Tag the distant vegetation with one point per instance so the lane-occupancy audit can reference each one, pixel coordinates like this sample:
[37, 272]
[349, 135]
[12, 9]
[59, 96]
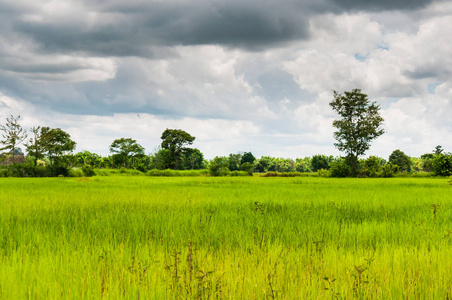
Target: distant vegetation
[49, 152]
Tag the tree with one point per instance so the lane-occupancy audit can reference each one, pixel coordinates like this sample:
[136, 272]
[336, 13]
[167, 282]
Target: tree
[319, 162]
[34, 146]
[373, 166]
[13, 134]
[401, 160]
[124, 150]
[235, 161]
[193, 159]
[175, 141]
[359, 124]
[247, 157]
[262, 164]
[219, 166]
[442, 164]
[438, 149]
[55, 142]
[88, 158]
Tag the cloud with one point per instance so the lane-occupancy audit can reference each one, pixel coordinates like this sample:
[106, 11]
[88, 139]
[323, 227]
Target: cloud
[240, 75]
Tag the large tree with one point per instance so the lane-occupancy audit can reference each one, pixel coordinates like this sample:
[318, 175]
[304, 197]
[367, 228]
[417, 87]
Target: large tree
[401, 160]
[13, 135]
[125, 149]
[56, 143]
[175, 141]
[359, 124]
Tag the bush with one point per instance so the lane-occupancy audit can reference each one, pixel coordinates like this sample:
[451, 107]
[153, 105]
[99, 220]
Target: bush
[88, 171]
[323, 173]
[59, 170]
[219, 166]
[340, 169]
[442, 164]
[247, 167]
[75, 172]
[29, 170]
[389, 170]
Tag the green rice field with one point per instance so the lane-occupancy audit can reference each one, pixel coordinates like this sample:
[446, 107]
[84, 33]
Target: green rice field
[125, 237]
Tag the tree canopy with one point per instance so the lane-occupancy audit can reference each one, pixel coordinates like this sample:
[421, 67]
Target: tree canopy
[359, 124]
[55, 142]
[124, 150]
[175, 141]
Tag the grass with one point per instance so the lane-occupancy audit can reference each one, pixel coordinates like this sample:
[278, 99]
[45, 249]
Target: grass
[225, 238]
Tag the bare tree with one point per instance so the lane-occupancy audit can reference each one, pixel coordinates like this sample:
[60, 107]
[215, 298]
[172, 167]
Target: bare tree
[13, 135]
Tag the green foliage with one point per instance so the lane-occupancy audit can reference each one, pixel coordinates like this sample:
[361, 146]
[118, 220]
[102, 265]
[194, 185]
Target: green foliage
[34, 146]
[247, 167]
[192, 159]
[319, 162]
[160, 160]
[372, 166]
[388, 170]
[438, 150]
[442, 164]
[76, 172]
[401, 160]
[340, 169]
[219, 166]
[88, 158]
[59, 170]
[427, 162]
[55, 143]
[88, 171]
[29, 170]
[125, 150]
[359, 124]
[303, 165]
[262, 164]
[235, 161]
[175, 141]
[247, 157]
[323, 173]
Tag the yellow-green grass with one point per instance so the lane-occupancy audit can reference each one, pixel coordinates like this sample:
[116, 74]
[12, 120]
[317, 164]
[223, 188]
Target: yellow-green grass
[225, 238]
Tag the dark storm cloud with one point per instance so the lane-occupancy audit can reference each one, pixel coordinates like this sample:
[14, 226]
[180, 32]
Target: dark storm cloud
[379, 5]
[136, 28]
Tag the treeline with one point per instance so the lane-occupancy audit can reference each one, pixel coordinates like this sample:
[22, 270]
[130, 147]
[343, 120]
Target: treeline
[50, 152]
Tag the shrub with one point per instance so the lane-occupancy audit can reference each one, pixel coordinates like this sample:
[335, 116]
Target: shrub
[442, 164]
[88, 171]
[75, 172]
[340, 169]
[389, 170]
[247, 167]
[219, 166]
[59, 169]
[323, 173]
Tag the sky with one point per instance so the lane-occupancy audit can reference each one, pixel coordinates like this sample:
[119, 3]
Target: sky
[249, 75]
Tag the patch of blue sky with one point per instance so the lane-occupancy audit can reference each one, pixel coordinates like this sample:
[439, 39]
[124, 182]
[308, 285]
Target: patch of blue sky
[361, 57]
[431, 88]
